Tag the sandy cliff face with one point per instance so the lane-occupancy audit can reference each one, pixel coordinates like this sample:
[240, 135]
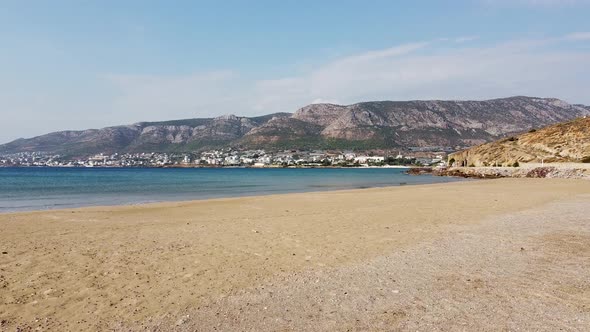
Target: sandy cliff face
[564, 142]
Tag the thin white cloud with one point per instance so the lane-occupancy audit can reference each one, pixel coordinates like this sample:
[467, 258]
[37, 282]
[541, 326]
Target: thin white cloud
[510, 68]
[578, 36]
[459, 40]
[386, 53]
[423, 70]
[441, 69]
[465, 39]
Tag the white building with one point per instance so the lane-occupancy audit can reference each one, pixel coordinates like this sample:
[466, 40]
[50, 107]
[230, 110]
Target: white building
[367, 159]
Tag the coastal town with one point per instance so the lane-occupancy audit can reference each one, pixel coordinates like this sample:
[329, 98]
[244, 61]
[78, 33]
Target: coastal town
[232, 158]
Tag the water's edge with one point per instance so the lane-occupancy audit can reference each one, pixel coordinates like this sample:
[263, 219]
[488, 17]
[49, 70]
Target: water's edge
[26, 189]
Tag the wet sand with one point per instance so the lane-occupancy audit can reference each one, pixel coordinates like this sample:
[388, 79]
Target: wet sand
[487, 255]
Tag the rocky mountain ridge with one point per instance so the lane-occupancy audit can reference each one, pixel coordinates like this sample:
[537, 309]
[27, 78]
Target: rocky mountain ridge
[367, 125]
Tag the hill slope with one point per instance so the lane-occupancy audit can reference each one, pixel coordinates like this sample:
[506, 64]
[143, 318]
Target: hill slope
[563, 142]
[383, 124]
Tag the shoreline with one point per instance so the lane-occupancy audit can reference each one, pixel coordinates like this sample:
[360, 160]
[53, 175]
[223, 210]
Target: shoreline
[235, 261]
[215, 167]
[380, 177]
[176, 203]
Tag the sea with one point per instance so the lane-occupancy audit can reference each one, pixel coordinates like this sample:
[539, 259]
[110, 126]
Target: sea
[42, 188]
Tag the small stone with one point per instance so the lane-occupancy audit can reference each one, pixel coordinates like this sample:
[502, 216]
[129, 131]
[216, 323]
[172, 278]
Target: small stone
[5, 253]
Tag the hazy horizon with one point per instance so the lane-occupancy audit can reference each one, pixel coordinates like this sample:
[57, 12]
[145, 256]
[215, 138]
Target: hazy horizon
[73, 66]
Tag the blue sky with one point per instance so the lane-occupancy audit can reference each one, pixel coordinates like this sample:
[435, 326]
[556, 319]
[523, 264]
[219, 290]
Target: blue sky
[89, 64]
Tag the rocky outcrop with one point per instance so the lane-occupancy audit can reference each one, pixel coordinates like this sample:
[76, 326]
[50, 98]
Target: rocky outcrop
[570, 172]
[563, 142]
[320, 114]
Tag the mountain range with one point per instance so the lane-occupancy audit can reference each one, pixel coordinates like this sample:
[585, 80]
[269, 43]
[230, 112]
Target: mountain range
[366, 125]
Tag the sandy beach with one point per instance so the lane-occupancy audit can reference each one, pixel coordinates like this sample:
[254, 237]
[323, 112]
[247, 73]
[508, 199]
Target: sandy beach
[502, 254]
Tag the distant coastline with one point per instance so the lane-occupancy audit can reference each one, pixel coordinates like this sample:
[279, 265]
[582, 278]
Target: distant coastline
[219, 166]
[232, 158]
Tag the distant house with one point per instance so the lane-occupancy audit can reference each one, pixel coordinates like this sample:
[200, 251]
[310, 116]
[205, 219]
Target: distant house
[247, 160]
[367, 159]
[425, 161]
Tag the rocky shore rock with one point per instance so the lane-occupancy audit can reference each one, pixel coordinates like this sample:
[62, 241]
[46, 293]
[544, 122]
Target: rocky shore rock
[514, 172]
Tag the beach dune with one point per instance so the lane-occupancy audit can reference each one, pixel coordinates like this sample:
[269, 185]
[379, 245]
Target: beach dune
[476, 255]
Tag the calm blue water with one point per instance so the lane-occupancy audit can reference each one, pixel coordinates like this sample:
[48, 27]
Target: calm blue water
[23, 189]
